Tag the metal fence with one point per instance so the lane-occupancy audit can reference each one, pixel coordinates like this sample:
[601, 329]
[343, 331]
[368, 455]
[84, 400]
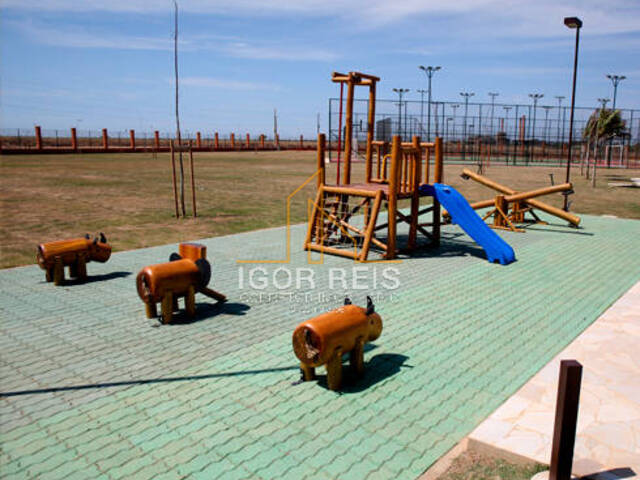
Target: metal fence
[511, 133]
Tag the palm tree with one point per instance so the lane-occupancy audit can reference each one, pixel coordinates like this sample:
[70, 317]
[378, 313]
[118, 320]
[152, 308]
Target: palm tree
[603, 125]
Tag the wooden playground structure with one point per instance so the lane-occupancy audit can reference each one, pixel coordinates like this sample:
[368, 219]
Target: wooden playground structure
[401, 168]
[510, 207]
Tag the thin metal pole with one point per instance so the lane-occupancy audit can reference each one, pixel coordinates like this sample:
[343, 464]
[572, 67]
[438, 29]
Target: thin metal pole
[573, 105]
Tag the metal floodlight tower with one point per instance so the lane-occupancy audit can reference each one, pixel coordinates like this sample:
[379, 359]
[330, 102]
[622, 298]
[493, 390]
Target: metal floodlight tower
[493, 96]
[615, 79]
[455, 107]
[429, 71]
[400, 92]
[571, 22]
[421, 92]
[535, 97]
[604, 102]
[559, 98]
[546, 122]
[466, 96]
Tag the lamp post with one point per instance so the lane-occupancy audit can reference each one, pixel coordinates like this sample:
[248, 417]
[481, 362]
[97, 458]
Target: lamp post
[466, 96]
[615, 79]
[422, 92]
[506, 109]
[454, 107]
[429, 72]
[604, 102]
[559, 98]
[572, 22]
[535, 97]
[546, 122]
[493, 96]
[400, 92]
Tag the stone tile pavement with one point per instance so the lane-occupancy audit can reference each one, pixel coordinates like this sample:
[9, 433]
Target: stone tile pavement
[608, 433]
[91, 390]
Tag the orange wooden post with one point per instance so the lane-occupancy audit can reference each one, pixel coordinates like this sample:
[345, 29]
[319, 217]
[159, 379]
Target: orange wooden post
[74, 138]
[132, 139]
[38, 137]
[198, 140]
[371, 116]
[105, 139]
[438, 172]
[216, 141]
[233, 141]
[156, 138]
[348, 136]
[522, 129]
[248, 141]
[320, 159]
[262, 141]
[414, 184]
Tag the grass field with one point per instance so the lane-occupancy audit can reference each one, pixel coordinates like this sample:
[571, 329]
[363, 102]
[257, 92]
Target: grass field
[130, 198]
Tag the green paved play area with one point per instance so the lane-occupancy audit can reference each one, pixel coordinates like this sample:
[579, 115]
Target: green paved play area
[92, 390]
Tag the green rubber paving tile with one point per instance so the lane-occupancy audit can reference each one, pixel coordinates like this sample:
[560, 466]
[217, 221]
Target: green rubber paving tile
[219, 398]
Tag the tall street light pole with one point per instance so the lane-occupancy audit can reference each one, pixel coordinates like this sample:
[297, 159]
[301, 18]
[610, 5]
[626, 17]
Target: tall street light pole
[604, 102]
[572, 22]
[466, 96]
[429, 72]
[422, 92]
[546, 122]
[615, 79]
[493, 96]
[400, 92]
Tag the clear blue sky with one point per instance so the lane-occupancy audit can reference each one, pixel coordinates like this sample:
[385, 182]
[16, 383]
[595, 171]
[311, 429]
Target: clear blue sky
[110, 63]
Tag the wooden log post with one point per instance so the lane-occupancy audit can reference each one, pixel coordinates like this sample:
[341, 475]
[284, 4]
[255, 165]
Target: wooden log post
[320, 160]
[38, 137]
[105, 139]
[262, 142]
[198, 140]
[74, 139]
[416, 170]
[438, 174]
[248, 143]
[156, 139]
[348, 137]
[233, 141]
[216, 141]
[371, 116]
[564, 430]
[132, 139]
[392, 208]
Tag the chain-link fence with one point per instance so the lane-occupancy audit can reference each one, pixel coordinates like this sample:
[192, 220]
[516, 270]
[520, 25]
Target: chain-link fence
[510, 133]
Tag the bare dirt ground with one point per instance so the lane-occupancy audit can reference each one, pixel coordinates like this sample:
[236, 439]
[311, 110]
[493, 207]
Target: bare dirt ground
[130, 197]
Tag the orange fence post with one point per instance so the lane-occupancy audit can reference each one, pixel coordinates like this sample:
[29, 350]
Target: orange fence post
[198, 140]
[132, 139]
[105, 139]
[522, 128]
[38, 138]
[156, 136]
[262, 141]
[233, 141]
[248, 141]
[216, 141]
[74, 139]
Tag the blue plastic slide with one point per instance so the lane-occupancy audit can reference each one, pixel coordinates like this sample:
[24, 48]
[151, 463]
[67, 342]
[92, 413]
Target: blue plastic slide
[465, 216]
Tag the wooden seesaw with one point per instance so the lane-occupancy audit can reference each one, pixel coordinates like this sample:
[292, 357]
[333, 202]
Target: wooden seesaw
[510, 206]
